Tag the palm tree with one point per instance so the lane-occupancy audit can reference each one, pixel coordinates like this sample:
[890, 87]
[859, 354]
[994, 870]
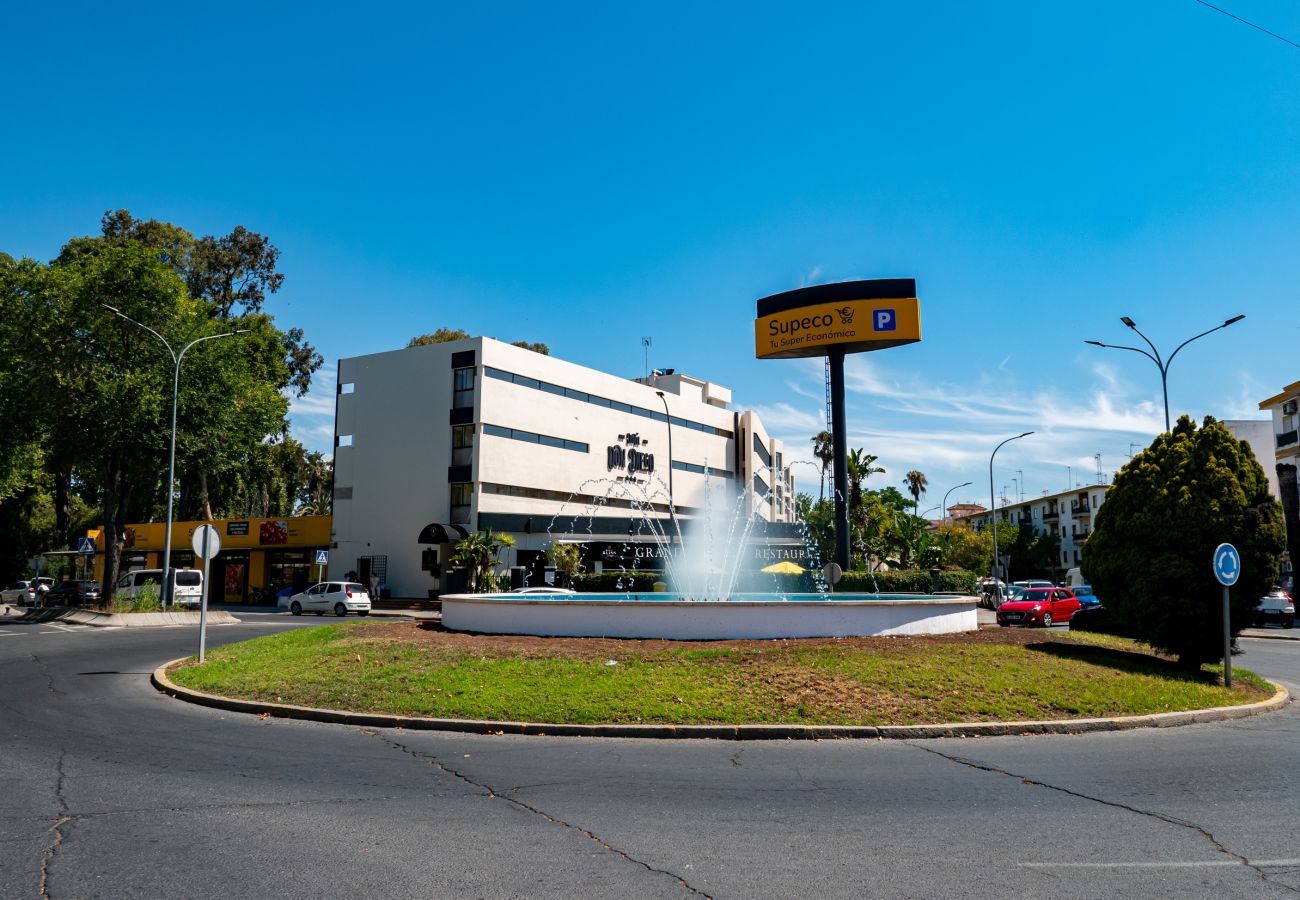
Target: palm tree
[916, 485]
[824, 450]
[861, 467]
[478, 553]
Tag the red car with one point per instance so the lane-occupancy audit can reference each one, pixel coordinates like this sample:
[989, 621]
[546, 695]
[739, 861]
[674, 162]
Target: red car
[1039, 606]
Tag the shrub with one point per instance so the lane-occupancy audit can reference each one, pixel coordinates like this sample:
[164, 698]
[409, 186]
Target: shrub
[906, 581]
[1150, 553]
[613, 582]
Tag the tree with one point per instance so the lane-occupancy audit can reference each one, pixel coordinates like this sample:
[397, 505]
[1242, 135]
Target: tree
[567, 558]
[916, 485]
[446, 335]
[1149, 556]
[477, 552]
[824, 450]
[441, 336]
[861, 467]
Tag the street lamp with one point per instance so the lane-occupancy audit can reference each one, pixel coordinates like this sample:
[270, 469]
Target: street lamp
[945, 497]
[993, 508]
[668, 419]
[1161, 364]
[171, 455]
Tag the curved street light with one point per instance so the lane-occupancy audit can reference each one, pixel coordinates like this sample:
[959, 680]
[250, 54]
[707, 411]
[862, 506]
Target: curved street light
[944, 504]
[171, 455]
[993, 509]
[1154, 355]
[668, 419]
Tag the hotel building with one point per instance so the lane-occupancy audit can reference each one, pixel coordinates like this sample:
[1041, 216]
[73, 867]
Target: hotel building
[434, 442]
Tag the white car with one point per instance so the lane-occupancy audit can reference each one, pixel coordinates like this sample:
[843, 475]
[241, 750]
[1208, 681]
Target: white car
[542, 590]
[338, 597]
[24, 592]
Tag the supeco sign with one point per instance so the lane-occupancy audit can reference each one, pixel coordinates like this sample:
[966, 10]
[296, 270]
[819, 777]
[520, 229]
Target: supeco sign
[628, 456]
[853, 315]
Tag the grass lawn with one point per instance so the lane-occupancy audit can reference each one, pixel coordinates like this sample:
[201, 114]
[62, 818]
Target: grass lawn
[416, 669]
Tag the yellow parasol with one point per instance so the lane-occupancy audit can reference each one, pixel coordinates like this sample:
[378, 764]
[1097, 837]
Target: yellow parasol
[784, 567]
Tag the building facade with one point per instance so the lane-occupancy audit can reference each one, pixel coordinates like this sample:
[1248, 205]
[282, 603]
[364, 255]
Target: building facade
[1069, 515]
[437, 441]
[1284, 408]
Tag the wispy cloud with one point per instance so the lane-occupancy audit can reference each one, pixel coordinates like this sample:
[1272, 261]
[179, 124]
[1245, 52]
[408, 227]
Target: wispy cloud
[311, 417]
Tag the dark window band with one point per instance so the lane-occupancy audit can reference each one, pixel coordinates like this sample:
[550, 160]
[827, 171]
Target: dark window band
[517, 434]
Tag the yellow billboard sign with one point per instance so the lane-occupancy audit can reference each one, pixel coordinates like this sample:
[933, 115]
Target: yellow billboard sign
[854, 325]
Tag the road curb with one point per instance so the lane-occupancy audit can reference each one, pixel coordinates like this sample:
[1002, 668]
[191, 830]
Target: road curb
[97, 619]
[720, 732]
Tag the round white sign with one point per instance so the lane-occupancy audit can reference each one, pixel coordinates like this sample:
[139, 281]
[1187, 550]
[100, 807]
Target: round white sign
[832, 573]
[214, 542]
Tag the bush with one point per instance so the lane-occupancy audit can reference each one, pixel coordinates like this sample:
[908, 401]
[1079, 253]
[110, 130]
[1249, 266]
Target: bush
[614, 582]
[906, 581]
[1150, 553]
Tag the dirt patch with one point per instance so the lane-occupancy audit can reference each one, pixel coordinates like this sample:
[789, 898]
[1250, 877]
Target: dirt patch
[434, 637]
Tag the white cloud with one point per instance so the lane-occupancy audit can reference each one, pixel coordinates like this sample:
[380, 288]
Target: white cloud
[783, 416]
[311, 417]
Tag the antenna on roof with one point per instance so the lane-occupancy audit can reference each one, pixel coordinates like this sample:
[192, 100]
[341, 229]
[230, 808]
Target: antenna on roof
[645, 342]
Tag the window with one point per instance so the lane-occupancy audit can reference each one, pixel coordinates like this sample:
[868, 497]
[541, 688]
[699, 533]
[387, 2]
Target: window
[462, 388]
[347, 387]
[345, 440]
[461, 495]
[762, 452]
[462, 445]
[518, 434]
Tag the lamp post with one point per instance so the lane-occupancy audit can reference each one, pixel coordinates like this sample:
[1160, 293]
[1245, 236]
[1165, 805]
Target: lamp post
[668, 420]
[945, 497]
[1154, 355]
[171, 454]
[993, 508]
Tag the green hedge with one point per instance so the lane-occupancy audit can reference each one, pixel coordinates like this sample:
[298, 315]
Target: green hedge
[613, 582]
[912, 581]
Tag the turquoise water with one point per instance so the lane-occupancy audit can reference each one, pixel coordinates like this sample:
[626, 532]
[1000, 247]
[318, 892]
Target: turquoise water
[678, 598]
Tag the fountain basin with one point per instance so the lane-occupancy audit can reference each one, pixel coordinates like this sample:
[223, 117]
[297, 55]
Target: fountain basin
[744, 616]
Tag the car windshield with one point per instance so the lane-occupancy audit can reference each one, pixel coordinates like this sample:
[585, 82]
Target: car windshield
[354, 587]
[1038, 595]
[1083, 592]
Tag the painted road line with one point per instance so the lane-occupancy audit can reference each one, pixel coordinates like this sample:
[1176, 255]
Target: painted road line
[1171, 864]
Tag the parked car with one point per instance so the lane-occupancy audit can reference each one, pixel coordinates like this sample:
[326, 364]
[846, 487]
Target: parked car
[1033, 583]
[339, 597]
[1039, 606]
[1086, 596]
[542, 590]
[1275, 606]
[18, 594]
[187, 585]
[73, 593]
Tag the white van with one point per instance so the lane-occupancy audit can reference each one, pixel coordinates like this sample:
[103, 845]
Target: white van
[1074, 578]
[187, 585]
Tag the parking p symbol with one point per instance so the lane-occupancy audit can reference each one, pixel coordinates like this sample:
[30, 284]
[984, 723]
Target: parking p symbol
[884, 320]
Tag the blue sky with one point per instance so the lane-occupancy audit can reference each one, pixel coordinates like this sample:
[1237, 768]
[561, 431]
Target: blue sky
[590, 174]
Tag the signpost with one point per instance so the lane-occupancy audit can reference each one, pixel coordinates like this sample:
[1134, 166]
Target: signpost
[322, 560]
[832, 573]
[207, 544]
[831, 320]
[1227, 569]
[85, 548]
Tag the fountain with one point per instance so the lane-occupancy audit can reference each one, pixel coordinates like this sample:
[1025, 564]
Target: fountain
[703, 561]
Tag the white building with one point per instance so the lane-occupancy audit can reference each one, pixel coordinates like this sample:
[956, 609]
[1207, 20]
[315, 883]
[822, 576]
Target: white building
[1259, 434]
[1068, 515]
[436, 441]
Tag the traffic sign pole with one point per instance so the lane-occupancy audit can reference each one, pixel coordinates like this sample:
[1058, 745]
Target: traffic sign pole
[207, 544]
[1227, 569]
[1227, 642]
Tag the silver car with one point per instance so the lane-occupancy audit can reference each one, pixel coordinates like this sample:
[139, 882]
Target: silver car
[1275, 606]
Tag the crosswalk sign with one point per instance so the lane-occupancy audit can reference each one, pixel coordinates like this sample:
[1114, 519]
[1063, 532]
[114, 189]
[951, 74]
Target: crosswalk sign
[322, 557]
[86, 546]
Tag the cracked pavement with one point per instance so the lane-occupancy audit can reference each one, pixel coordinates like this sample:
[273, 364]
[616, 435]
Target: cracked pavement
[108, 789]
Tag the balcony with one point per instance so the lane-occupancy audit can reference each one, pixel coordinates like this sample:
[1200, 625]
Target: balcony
[1079, 509]
[1287, 438]
[1051, 514]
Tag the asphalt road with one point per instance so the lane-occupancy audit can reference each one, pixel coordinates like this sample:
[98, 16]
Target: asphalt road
[109, 789]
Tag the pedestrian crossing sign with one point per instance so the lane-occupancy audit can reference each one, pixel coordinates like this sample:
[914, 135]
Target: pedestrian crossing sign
[322, 557]
[86, 546]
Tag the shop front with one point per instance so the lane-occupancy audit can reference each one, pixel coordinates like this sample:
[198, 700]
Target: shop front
[258, 556]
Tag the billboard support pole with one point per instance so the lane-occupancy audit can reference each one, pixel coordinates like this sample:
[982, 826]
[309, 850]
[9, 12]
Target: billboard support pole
[839, 443]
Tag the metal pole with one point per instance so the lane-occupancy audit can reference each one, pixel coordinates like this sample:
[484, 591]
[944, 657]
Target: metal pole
[171, 455]
[839, 440]
[993, 504]
[945, 497]
[668, 420]
[203, 604]
[1227, 641]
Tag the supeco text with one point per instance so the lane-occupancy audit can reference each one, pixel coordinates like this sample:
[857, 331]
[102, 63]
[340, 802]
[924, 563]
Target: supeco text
[794, 326]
